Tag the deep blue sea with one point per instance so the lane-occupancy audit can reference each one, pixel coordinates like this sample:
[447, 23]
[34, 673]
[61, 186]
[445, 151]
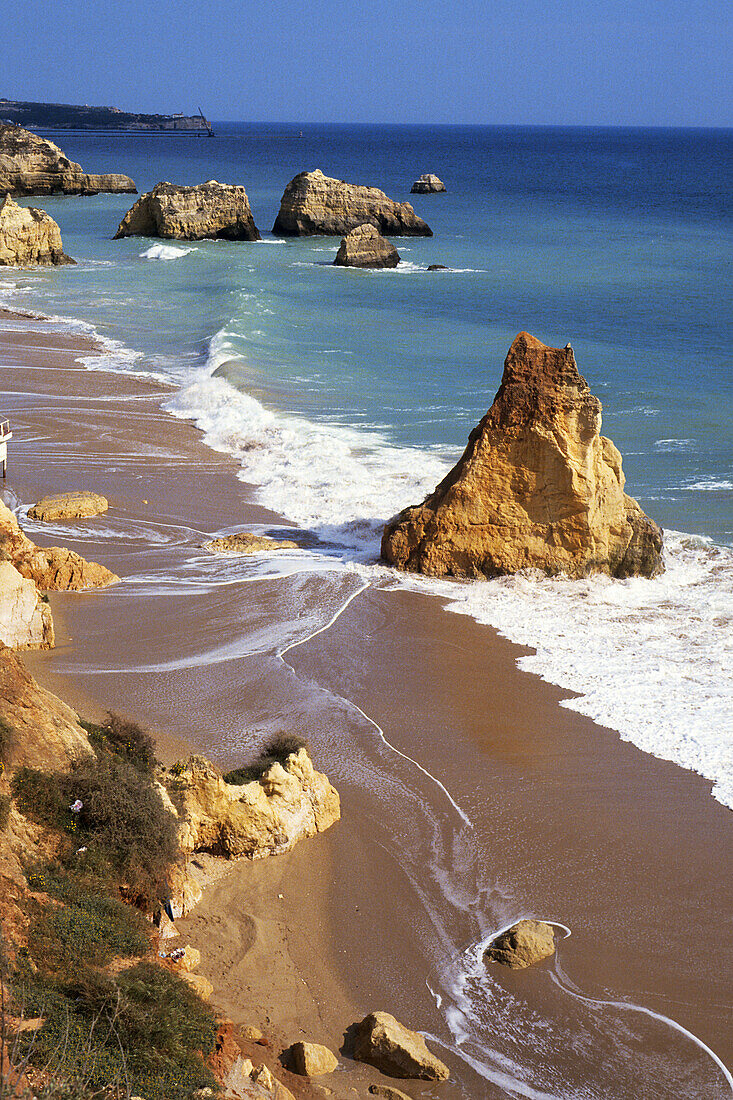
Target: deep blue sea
[347, 394]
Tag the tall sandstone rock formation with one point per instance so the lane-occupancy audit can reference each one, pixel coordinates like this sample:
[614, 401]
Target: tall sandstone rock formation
[30, 165]
[208, 210]
[317, 205]
[537, 487]
[29, 237]
[366, 247]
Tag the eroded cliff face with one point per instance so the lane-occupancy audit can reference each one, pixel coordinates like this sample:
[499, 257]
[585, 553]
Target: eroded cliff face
[29, 237]
[537, 487]
[288, 802]
[31, 165]
[314, 204]
[51, 568]
[208, 210]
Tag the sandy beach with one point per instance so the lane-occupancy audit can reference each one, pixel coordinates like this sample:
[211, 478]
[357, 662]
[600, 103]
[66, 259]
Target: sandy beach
[470, 797]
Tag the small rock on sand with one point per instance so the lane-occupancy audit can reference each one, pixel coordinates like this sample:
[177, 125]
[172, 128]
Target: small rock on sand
[525, 943]
[395, 1050]
[311, 1059]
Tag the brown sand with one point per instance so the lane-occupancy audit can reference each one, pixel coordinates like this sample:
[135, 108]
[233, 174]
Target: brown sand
[570, 823]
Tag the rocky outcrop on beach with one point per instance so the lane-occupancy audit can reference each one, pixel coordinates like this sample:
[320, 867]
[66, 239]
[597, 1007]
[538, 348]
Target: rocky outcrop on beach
[314, 204]
[395, 1050]
[269, 815]
[25, 618]
[366, 247]
[427, 184]
[537, 487]
[29, 237]
[31, 165]
[527, 942]
[244, 542]
[77, 505]
[207, 211]
[52, 568]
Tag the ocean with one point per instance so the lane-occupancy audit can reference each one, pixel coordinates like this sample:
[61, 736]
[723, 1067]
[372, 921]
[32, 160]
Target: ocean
[346, 395]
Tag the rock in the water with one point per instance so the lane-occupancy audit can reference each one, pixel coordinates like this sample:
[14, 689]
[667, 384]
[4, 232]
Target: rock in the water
[25, 619]
[537, 487]
[437, 267]
[525, 943]
[208, 210]
[49, 567]
[243, 542]
[395, 1050]
[29, 237]
[311, 1059]
[269, 815]
[365, 247]
[314, 204]
[31, 165]
[78, 505]
[427, 184]
[387, 1092]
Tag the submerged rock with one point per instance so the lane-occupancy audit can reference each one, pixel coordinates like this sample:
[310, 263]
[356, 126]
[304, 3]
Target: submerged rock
[243, 542]
[395, 1050]
[77, 505]
[29, 237]
[266, 816]
[365, 247]
[427, 184]
[537, 487]
[437, 267]
[31, 165]
[525, 943]
[208, 210]
[314, 204]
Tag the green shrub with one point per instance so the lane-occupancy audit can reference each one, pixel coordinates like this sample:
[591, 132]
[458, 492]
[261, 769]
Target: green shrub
[124, 738]
[124, 819]
[40, 796]
[90, 927]
[275, 751]
[7, 742]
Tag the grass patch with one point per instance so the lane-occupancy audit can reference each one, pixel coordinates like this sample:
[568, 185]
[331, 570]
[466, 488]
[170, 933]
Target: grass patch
[275, 751]
[124, 738]
[7, 742]
[40, 797]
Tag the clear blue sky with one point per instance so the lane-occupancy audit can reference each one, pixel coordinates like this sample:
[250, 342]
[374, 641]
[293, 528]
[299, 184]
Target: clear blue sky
[639, 62]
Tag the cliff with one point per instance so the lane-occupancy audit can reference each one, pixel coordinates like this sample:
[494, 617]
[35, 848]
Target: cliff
[537, 487]
[314, 204]
[29, 237]
[209, 210]
[71, 116]
[31, 165]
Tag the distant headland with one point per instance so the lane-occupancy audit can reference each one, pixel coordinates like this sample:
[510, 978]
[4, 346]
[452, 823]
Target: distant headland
[67, 116]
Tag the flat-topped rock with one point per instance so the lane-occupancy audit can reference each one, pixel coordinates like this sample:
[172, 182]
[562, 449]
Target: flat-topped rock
[244, 542]
[77, 505]
[208, 210]
[396, 1050]
[427, 184]
[527, 942]
[32, 165]
[366, 247]
[314, 204]
[537, 487]
[29, 237]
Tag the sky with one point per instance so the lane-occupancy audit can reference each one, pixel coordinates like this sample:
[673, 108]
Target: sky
[525, 62]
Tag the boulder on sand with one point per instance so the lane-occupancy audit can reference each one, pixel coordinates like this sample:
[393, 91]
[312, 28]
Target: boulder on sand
[31, 165]
[525, 943]
[244, 542]
[77, 505]
[314, 204]
[29, 237]
[395, 1050]
[427, 184]
[366, 247]
[537, 487]
[208, 210]
[310, 1059]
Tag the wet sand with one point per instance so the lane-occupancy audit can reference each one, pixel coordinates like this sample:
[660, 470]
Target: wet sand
[567, 822]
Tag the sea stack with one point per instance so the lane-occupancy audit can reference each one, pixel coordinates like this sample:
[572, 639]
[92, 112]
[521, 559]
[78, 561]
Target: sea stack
[208, 210]
[536, 488]
[29, 237]
[427, 184]
[366, 247]
[317, 205]
[31, 165]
